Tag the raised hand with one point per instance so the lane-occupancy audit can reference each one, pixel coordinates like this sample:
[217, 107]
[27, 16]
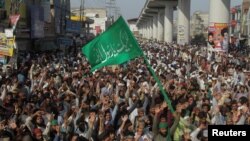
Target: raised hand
[164, 105]
[157, 110]
[125, 118]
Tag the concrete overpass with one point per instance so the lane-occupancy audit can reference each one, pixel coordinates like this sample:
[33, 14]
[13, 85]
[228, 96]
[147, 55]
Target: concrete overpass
[156, 18]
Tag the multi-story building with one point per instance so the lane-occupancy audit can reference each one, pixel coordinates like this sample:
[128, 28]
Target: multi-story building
[199, 24]
[36, 24]
[97, 16]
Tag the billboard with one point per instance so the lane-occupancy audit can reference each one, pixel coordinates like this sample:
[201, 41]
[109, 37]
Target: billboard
[7, 43]
[218, 37]
[37, 23]
[73, 26]
[6, 51]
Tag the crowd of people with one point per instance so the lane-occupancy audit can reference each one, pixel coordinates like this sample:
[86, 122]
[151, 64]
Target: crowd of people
[49, 98]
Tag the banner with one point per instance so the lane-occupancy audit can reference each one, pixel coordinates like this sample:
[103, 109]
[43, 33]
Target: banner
[218, 37]
[115, 46]
[6, 51]
[10, 42]
[3, 39]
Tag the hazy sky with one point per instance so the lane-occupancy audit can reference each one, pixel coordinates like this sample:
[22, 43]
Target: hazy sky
[132, 8]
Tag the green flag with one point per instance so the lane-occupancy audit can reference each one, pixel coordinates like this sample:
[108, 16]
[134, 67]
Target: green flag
[115, 46]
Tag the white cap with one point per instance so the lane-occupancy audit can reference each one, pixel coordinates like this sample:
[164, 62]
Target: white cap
[121, 84]
[214, 78]
[205, 133]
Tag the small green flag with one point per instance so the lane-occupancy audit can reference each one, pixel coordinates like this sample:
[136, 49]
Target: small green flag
[115, 46]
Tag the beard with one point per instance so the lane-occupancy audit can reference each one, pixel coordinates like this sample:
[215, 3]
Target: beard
[163, 134]
[40, 124]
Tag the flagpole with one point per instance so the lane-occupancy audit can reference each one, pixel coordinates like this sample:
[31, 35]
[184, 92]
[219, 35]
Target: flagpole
[159, 84]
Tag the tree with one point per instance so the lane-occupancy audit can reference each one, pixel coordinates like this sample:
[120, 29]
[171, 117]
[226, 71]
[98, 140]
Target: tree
[199, 39]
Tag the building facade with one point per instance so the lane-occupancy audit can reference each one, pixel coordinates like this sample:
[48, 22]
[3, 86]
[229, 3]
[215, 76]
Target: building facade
[99, 16]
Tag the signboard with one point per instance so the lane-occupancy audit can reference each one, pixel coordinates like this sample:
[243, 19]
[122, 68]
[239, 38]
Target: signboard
[46, 10]
[181, 34]
[6, 51]
[37, 24]
[73, 26]
[218, 37]
[65, 41]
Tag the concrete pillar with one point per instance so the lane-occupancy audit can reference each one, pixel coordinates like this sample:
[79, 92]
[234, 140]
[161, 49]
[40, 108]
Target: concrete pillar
[219, 16]
[160, 31]
[139, 28]
[151, 28]
[155, 29]
[168, 23]
[148, 30]
[183, 19]
[143, 31]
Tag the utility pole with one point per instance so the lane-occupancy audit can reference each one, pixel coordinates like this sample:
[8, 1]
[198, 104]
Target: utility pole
[82, 13]
[110, 6]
